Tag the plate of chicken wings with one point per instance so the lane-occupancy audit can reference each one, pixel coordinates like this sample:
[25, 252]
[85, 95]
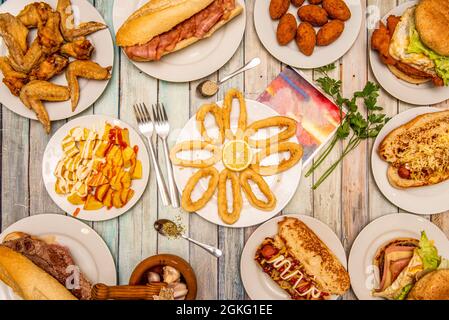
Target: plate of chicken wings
[56, 58]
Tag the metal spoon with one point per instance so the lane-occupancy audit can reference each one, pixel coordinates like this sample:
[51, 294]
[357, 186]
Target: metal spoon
[159, 226]
[208, 88]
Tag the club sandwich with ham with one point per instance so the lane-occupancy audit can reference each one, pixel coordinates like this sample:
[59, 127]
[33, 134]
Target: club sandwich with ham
[161, 27]
[402, 262]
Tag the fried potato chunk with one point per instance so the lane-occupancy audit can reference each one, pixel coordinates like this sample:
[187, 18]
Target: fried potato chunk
[83, 69]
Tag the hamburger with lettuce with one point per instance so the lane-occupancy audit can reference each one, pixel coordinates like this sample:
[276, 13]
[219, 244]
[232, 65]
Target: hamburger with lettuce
[415, 46]
[411, 269]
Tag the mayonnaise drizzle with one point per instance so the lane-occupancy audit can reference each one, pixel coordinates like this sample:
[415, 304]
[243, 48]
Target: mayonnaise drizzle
[279, 262]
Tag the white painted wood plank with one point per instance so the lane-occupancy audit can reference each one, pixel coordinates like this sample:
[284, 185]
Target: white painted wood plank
[231, 240]
[378, 204]
[202, 262]
[137, 239]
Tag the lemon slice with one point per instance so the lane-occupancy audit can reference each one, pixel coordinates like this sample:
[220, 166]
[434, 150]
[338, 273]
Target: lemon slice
[237, 155]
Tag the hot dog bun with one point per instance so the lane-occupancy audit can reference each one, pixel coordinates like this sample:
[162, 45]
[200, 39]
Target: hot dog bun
[422, 130]
[27, 280]
[316, 257]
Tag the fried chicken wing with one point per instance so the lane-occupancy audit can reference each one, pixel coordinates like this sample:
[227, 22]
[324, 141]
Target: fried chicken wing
[49, 35]
[33, 93]
[15, 29]
[50, 67]
[12, 79]
[23, 62]
[35, 14]
[69, 31]
[84, 69]
[380, 41]
[80, 49]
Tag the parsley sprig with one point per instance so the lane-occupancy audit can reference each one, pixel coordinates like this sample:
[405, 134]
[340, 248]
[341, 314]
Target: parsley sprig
[355, 126]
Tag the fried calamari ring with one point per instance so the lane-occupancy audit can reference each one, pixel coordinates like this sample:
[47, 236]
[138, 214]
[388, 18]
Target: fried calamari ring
[270, 202]
[278, 121]
[225, 215]
[191, 146]
[186, 200]
[216, 111]
[227, 108]
[296, 153]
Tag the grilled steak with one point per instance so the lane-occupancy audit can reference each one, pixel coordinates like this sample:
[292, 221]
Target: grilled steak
[53, 259]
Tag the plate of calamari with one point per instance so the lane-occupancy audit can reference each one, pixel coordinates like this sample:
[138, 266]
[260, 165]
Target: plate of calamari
[237, 162]
[56, 58]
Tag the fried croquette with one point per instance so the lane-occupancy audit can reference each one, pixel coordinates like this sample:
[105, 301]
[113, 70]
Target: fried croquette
[337, 9]
[315, 15]
[330, 32]
[286, 29]
[278, 8]
[306, 38]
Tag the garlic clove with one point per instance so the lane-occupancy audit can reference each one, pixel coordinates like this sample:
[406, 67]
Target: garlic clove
[170, 274]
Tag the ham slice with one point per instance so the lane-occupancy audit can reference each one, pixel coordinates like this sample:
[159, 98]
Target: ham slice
[396, 259]
[198, 25]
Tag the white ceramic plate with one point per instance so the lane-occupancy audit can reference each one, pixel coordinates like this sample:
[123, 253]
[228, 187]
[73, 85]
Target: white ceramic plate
[258, 285]
[420, 200]
[283, 185]
[87, 248]
[364, 276]
[196, 61]
[90, 90]
[53, 153]
[424, 94]
[289, 54]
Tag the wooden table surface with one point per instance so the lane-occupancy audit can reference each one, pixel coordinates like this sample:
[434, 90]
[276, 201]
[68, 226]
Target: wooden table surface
[347, 201]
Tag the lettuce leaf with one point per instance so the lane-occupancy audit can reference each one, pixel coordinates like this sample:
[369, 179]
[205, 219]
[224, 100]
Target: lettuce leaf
[404, 293]
[428, 253]
[441, 62]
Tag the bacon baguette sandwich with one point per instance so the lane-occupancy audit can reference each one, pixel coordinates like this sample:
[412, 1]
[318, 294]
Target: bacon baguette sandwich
[418, 151]
[164, 26]
[301, 264]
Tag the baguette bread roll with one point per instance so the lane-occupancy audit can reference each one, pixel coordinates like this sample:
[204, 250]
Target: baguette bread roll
[187, 42]
[156, 17]
[27, 280]
[316, 257]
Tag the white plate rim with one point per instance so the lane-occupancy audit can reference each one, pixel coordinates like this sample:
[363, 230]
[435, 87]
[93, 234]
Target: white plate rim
[375, 226]
[87, 87]
[102, 214]
[322, 55]
[165, 71]
[317, 226]
[208, 212]
[405, 199]
[424, 94]
[96, 246]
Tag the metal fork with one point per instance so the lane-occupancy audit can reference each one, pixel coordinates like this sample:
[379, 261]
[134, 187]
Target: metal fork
[162, 127]
[146, 127]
